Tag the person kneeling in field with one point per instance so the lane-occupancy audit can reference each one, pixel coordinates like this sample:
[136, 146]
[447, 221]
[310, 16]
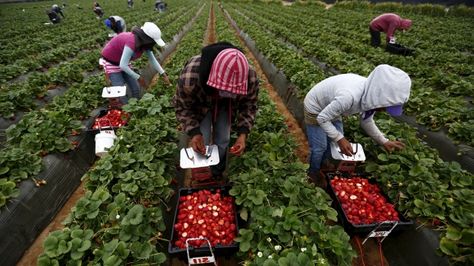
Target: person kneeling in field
[386, 88]
[214, 88]
[129, 46]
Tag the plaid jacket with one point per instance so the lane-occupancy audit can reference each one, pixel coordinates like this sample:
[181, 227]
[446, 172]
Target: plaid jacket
[192, 102]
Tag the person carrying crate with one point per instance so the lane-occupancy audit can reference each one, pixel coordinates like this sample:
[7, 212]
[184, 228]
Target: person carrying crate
[129, 46]
[215, 88]
[386, 88]
[388, 23]
[116, 23]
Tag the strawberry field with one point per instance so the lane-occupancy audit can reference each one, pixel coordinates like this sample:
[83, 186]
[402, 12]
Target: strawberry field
[50, 93]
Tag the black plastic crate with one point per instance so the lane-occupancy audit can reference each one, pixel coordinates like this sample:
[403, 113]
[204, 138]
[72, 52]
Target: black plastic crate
[362, 229]
[219, 250]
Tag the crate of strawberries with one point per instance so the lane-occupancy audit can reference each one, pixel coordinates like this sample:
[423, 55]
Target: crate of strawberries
[112, 118]
[207, 213]
[362, 205]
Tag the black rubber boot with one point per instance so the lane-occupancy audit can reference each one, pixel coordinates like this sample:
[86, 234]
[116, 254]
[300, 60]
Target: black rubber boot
[317, 179]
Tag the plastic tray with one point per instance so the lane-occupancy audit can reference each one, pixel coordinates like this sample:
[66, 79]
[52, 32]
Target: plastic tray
[361, 229]
[219, 250]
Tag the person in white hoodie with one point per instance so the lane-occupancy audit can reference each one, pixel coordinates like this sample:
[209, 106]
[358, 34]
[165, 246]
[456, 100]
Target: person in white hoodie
[386, 88]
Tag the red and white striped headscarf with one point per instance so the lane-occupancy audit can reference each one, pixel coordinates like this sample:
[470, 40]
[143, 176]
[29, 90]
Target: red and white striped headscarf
[229, 72]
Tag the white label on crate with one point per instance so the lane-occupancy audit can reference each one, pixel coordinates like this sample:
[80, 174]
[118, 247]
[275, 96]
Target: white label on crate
[202, 260]
[379, 233]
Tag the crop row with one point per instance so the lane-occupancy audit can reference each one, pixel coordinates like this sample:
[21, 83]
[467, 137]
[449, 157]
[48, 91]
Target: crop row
[442, 75]
[49, 129]
[409, 177]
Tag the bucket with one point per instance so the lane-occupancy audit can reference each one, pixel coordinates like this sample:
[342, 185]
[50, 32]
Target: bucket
[104, 140]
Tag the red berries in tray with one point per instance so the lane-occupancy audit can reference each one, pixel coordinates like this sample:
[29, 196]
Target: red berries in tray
[208, 214]
[362, 201]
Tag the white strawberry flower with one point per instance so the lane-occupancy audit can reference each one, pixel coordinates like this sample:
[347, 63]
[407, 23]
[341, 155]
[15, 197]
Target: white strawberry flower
[117, 216]
[303, 249]
[277, 247]
[259, 254]
[269, 239]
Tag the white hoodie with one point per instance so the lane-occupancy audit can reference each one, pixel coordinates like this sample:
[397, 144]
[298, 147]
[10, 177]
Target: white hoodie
[347, 94]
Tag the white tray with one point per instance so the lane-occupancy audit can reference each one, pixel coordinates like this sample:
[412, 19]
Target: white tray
[114, 91]
[357, 157]
[193, 159]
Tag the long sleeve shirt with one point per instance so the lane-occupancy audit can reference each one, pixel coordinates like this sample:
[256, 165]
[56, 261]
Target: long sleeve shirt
[348, 94]
[387, 23]
[192, 102]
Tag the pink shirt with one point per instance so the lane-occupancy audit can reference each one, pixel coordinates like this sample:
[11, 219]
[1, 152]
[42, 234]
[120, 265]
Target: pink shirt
[387, 23]
[113, 50]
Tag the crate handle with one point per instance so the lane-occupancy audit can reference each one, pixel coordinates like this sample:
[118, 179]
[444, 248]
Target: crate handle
[203, 259]
[383, 234]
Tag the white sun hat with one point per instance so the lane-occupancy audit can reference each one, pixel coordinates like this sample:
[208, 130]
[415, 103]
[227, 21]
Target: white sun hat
[153, 32]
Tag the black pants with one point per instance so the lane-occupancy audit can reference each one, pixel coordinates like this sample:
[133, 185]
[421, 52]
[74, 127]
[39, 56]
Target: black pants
[374, 37]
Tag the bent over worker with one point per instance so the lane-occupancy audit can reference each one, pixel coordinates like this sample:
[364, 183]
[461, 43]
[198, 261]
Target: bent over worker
[386, 88]
[129, 46]
[215, 88]
[388, 23]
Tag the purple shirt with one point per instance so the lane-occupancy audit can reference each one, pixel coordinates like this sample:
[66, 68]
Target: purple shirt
[113, 50]
[387, 23]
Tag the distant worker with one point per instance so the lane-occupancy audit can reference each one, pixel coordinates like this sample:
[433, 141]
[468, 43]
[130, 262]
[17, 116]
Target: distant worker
[98, 10]
[160, 6]
[57, 9]
[387, 23]
[130, 3]
[53, 14]
[116, 23]
[129, 46]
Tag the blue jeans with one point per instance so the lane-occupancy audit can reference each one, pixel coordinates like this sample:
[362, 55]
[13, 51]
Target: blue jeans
[217, 132]
[122, 78]
[319, 148]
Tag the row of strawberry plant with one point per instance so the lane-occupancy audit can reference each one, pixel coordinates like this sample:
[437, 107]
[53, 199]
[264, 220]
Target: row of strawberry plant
[21, 95]
[418, 154]
[352, 54]
[119, 220]
[46, 131]
[288, 219]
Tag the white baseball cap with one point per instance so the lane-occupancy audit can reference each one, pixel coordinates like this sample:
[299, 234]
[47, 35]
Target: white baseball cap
[153, 32]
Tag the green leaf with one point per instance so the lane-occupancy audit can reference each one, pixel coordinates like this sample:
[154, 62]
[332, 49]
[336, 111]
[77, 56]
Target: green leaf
[417, 170]
[303, 259]
[141, 250]
[453, 234]
[244, 214]
[135, 215]
[467, 237]
[270, 262]
[448, 247]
